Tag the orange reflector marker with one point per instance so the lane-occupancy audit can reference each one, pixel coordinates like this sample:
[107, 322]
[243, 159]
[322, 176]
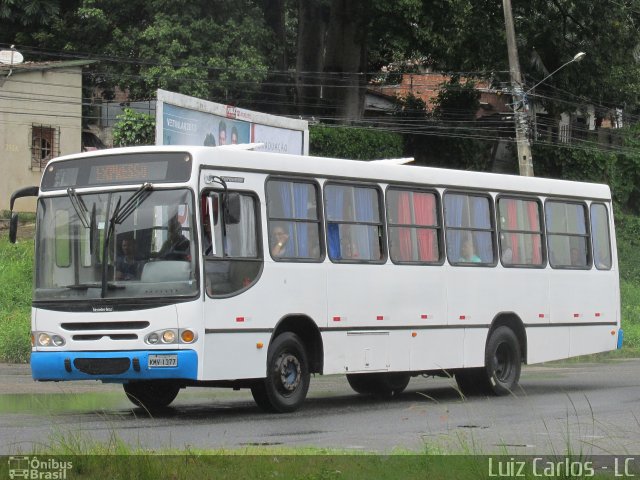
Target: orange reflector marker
[259, 345]
[414, 334]
[613, 332]
[33, 340]
[187, 336]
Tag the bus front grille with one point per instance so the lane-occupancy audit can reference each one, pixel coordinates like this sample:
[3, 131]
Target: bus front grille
[84, 326]
[112, 336]
[102, 366]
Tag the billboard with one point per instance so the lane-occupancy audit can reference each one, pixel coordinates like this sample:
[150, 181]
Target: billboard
[184, 120]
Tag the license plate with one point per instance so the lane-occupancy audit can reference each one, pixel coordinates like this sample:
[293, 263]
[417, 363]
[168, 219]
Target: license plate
[159, 361]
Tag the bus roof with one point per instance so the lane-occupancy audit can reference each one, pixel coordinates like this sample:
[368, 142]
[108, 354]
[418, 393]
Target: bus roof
[284, 164]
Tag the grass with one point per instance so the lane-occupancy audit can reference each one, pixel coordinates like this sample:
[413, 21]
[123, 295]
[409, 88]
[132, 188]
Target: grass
[16, 271]
[116, 459]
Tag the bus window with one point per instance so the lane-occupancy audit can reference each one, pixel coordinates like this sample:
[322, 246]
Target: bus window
[567, 234]
[234, 261]
[469, 229]
[354, 225]
[601, 236]
[413, 227]
[520, 232]
[294, 221]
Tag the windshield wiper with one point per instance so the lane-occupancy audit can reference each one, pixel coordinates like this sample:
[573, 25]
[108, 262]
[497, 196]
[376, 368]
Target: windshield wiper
[120, 214]
[86, 286]
[78, 205]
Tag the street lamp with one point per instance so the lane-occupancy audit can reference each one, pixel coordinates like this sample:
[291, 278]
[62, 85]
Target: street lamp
[576, 58]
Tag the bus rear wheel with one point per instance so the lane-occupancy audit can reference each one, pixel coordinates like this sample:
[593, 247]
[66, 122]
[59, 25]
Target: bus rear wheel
[287, 383]
[151, 395]
[379, 384]
[501, 372]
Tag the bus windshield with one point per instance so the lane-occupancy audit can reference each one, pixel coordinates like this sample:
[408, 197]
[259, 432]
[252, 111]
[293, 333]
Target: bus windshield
[149, 251]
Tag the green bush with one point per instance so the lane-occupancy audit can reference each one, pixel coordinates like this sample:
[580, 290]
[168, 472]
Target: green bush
[16, 273]
[353, 143]
[133, 128]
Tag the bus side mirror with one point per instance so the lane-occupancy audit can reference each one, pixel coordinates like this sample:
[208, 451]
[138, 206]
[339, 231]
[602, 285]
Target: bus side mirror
[13, 227]
[232, 208]
[13, 223]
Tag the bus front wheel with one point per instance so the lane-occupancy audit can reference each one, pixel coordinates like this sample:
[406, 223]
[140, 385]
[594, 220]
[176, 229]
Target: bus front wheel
[501, 372]
[151, 395]
[287, 382]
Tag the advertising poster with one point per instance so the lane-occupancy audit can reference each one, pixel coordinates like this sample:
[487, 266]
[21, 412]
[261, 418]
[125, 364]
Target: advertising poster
[184, 120]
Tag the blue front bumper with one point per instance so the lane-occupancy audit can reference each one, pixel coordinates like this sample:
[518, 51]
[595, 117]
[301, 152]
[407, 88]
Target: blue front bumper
[117, 367]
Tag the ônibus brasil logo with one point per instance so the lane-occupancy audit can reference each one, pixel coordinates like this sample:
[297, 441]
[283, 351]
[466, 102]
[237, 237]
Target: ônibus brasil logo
[38, 469]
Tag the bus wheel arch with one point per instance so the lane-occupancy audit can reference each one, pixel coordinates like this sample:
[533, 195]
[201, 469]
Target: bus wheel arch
[512, 321]
[309, 333]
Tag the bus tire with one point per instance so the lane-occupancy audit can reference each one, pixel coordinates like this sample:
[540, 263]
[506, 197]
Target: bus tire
[151, 395]
[503, 361]
[287, 382]
[378, 384]
[501, 372]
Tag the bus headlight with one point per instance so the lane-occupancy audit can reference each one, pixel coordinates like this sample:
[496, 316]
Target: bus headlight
[168, 336]
[171, 336]
[46, 339]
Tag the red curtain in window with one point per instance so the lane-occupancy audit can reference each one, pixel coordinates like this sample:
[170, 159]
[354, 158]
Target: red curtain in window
[424, 207]
[534, 224]
[404, 234]
[512, 224]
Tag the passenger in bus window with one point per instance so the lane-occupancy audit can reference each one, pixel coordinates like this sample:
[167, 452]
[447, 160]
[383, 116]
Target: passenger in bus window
[176, 247]
[127, 264]
[279, 239]
[467, 253]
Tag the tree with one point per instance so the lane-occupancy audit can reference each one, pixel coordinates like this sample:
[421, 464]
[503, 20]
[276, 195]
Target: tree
[133, 128]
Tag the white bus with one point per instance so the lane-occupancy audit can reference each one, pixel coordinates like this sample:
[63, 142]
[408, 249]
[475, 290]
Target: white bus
[167, 267]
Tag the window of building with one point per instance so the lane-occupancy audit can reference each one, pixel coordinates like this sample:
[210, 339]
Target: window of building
[601, 236]
[45, 145]
[414, 226]
[469, 229]
[354, 223]
[520, 232]
[294, 220]
[567, 234]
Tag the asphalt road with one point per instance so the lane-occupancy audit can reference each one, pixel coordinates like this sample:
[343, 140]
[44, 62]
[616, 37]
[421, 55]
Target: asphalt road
[588, 408]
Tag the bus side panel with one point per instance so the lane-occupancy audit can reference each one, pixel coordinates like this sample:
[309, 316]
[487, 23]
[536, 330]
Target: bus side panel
[235, 355]
[474, 343]
[598, 338]
[547, 343]
[236, 325]
[435, 349]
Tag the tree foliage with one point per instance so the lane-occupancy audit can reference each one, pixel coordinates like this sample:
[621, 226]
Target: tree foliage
[354, 143]
[133, 128]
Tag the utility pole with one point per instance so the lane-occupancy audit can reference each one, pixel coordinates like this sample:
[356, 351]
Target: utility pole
[525, 160]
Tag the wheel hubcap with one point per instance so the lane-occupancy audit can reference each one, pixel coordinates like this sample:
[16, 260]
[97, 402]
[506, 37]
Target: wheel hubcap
[290, 372]
[502, 362]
